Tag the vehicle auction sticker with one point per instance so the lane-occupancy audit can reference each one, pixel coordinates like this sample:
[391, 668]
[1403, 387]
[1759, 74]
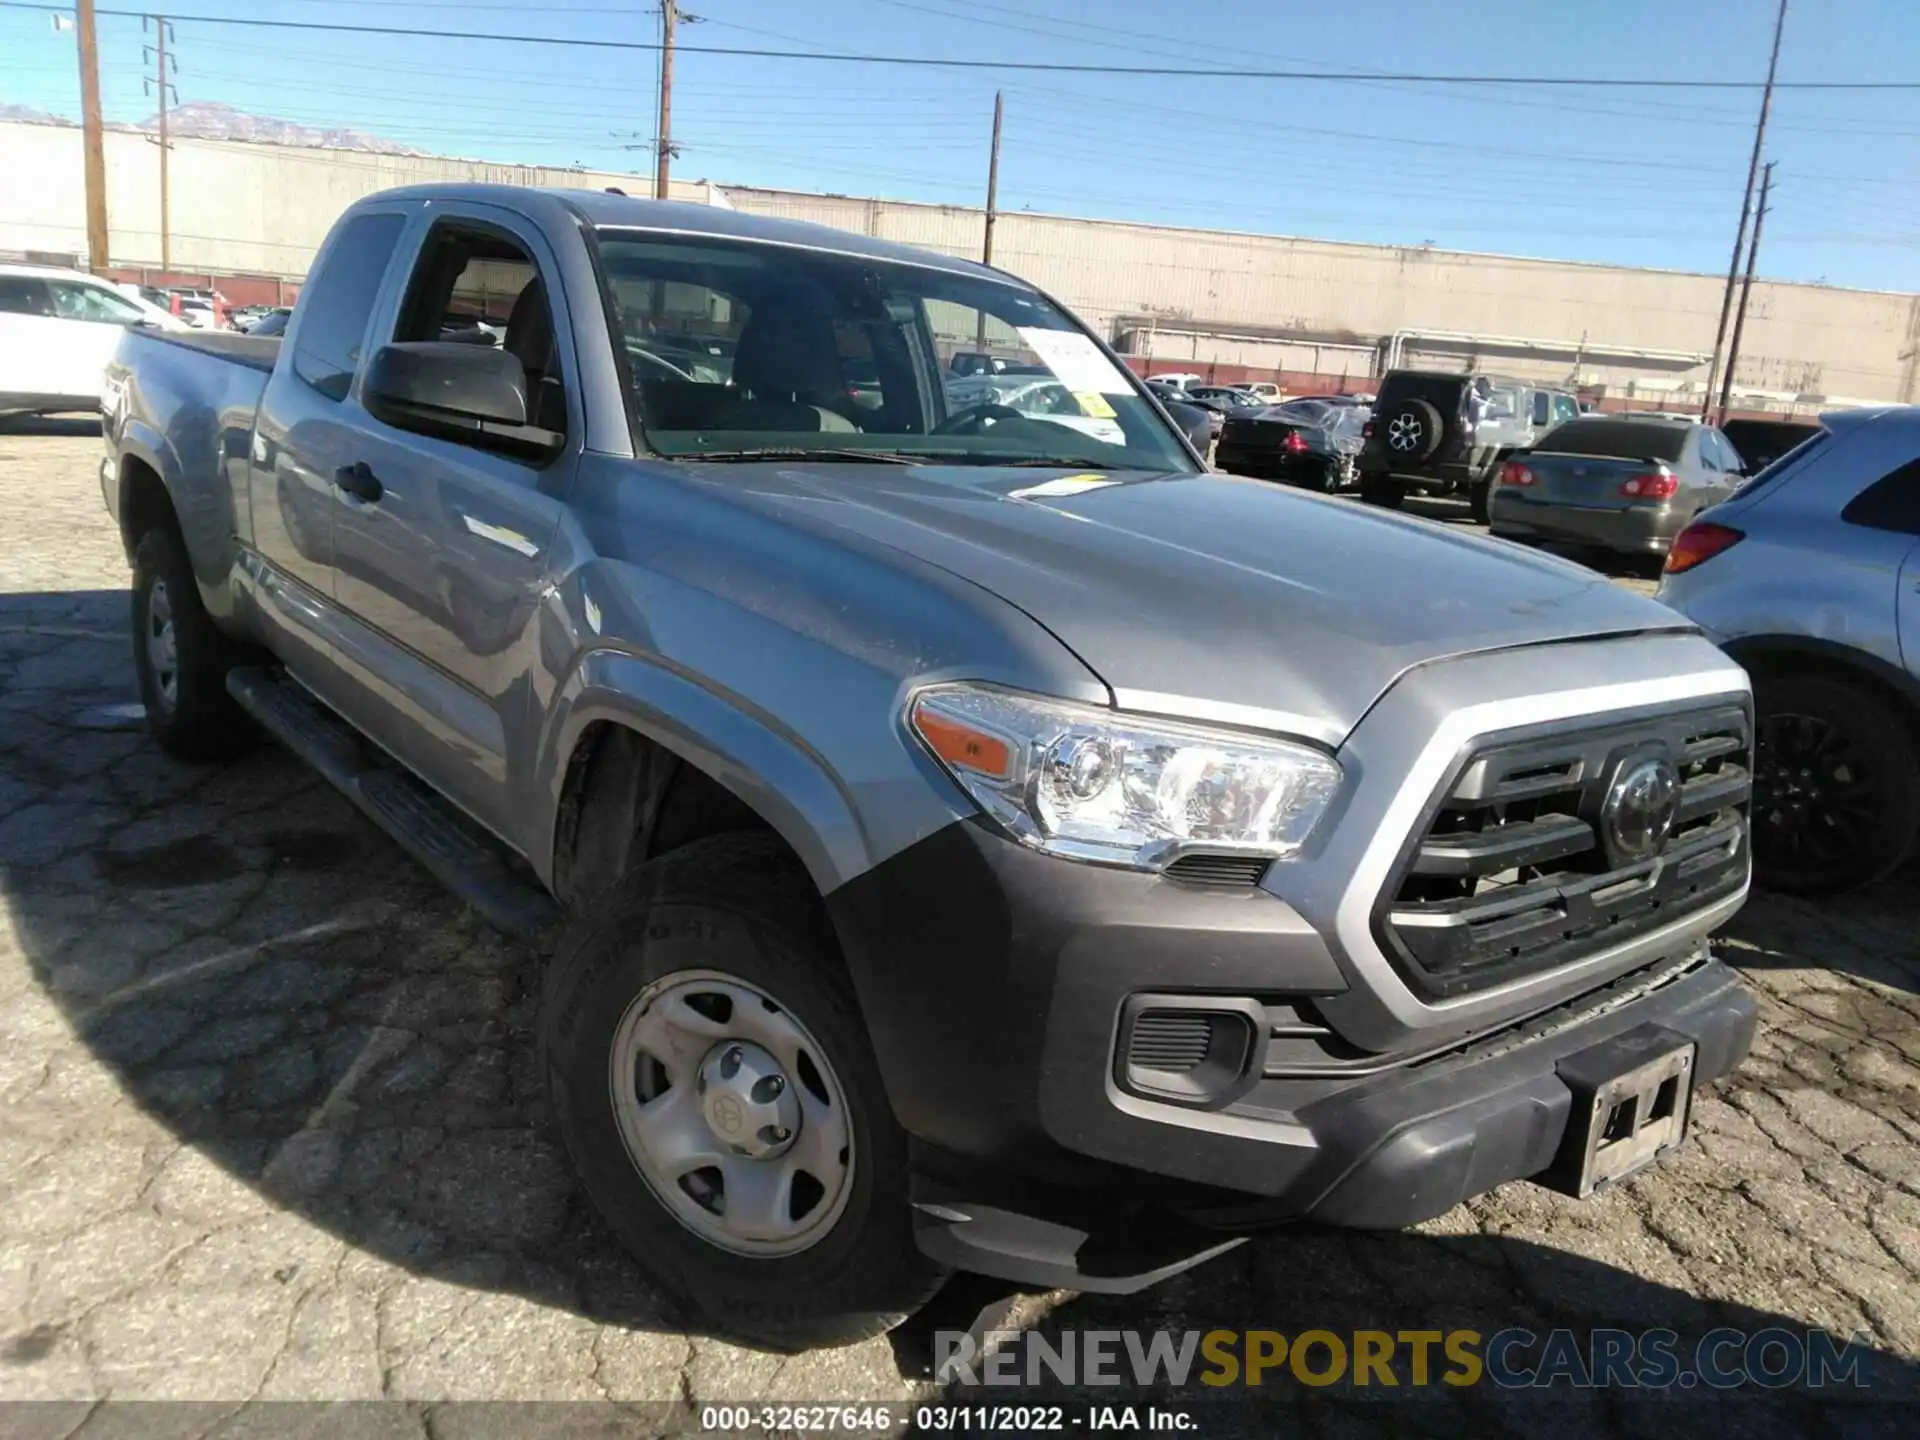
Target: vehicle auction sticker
[1076, 361]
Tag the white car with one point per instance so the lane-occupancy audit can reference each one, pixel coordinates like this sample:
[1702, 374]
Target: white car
[58, 330]
[1177, 379]
[1265, 389]
[1039, 398]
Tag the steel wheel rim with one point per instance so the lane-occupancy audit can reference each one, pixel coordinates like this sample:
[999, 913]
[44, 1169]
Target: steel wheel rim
[676, 1033]
[1814, 804]
[162, 645]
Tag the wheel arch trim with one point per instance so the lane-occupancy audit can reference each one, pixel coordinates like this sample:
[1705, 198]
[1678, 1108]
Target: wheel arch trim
[774, 773]
[1755, 651]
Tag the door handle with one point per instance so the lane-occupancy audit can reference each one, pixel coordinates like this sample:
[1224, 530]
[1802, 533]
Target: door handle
[359, 481]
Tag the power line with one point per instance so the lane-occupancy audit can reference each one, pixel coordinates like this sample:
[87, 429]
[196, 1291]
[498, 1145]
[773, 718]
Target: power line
[1055, 67]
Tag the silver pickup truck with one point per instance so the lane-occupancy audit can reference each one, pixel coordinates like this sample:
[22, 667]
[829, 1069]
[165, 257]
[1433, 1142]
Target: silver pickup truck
[971, 841]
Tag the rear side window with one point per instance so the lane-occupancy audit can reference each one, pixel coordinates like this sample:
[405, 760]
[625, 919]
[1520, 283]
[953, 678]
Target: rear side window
[1891, 503]
[337, 304]
[24, 295]
[1623, 439]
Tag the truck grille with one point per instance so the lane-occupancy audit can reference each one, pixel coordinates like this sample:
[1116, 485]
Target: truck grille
[1518, 869]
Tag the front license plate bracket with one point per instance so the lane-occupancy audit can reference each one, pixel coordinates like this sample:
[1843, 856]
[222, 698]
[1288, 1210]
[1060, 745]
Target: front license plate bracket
[1632, 1097]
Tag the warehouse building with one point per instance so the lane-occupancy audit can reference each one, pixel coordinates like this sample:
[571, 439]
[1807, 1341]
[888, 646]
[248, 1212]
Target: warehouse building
[1230, 305]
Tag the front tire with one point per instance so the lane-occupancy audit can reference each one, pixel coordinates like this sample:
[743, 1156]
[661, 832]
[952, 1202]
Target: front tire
[1378, 488]
[181, 658]
[1836, 799]
[782, 1210]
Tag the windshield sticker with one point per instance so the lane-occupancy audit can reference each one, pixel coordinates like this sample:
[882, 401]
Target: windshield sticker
[1093, 405]
[1065, 485]
[1076, 361]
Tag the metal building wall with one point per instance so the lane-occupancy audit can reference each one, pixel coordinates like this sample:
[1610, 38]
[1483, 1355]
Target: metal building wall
[1852, 344]
[1265, 302]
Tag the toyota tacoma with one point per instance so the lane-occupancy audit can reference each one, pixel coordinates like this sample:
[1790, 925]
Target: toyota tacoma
[968, 841]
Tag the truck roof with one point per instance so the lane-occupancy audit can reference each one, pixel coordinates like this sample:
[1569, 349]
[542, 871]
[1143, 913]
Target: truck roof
[603, 208]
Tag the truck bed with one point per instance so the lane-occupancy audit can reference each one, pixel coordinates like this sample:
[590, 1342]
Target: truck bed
[256, 352]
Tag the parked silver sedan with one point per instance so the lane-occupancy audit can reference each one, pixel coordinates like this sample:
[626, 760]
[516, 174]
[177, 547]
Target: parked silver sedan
[1628, 483]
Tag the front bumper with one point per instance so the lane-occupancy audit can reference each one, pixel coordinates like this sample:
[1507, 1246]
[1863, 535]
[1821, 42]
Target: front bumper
[996, 1012]
[1632, 530]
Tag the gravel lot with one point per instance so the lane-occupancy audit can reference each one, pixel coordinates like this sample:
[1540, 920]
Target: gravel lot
[270, 1126]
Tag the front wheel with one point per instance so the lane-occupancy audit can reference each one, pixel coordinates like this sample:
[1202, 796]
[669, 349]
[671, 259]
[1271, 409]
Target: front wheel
[1836, 792]
[1378, 488]
[718, 1096]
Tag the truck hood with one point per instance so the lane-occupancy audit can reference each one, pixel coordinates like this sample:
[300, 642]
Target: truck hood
[1209, 596]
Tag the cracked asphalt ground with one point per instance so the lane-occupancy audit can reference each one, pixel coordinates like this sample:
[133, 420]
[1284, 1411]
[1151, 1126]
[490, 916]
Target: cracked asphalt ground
[271, 1127]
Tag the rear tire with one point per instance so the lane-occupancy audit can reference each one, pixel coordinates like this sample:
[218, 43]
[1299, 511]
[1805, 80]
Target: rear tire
[1378, 488]
[181, 658]
[1836, 784]
[733, 917]
[1480, 500]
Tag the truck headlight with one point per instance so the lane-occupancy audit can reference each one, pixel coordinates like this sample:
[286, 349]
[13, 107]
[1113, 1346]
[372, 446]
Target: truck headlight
[1097, 784]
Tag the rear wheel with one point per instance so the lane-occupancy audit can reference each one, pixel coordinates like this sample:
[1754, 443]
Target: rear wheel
[722, 1106]
[181, 658]
[1480, 498]
[1378, 488]
[1836, 795]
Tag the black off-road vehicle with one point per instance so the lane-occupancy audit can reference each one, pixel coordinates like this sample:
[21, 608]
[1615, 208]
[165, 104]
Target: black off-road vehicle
[1446, 434]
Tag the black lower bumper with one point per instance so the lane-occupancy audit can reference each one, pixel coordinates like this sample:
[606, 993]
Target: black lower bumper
[995, 982]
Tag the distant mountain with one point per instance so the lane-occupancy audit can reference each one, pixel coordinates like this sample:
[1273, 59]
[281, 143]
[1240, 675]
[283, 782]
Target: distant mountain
[28, 115]
[210, 120]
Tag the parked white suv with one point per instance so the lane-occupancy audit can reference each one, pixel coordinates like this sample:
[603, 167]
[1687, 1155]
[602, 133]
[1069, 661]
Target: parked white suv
[1810, 577]
[58, 330]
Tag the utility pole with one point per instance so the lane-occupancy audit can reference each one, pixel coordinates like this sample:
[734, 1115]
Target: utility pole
[92, 145]
[162, 84]
[993, 183]
[669, 14]
[1746, 208]
[1746, 289]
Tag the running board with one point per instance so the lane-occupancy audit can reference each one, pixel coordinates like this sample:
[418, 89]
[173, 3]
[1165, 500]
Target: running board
[472, 864]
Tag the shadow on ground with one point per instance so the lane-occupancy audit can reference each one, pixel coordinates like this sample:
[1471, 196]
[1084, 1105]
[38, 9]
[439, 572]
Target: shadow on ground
[1342, 1283]
[298, 1003]
[65, 425]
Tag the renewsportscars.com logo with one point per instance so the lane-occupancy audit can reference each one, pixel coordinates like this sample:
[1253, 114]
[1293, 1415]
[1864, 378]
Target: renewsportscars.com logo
[1723, 1359]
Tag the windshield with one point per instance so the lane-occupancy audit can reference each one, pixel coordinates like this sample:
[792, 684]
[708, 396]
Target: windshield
[742, 350]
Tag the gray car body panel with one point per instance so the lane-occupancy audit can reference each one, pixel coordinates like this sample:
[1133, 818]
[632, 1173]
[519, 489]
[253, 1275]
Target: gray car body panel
[770, 623]
[1802, 578]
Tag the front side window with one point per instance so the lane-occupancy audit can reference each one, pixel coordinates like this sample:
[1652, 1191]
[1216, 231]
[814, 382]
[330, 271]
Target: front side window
[740, 349]
[339, 303]
[478, 285]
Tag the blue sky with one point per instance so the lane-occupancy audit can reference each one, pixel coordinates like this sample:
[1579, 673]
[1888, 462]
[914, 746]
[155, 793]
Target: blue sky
[1645, 177]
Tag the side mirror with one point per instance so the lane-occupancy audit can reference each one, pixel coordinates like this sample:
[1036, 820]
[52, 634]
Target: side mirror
[475, 394]
[459, 381]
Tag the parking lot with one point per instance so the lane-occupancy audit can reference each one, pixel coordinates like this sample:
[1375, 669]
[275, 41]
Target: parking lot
[272, 1126]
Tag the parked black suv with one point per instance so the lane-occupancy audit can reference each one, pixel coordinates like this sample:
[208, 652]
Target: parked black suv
[1446, 434]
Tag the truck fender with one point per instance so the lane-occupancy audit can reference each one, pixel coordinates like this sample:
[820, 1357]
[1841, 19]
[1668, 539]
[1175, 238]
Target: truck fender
[205, 520]
[767, 768]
